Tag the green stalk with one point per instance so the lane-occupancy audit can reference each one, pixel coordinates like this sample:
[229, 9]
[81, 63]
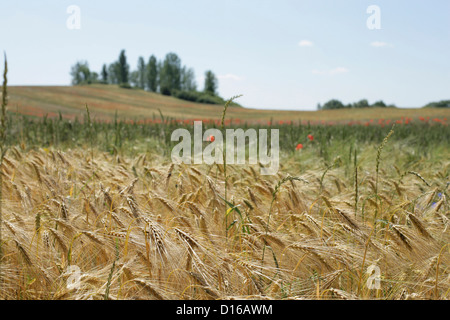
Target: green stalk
[225, 107]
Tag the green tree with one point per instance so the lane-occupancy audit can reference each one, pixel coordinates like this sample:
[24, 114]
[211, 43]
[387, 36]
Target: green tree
[333, 104]
[188, 79]
[134, 78]
[379, 104]
[93, 77]
[152, 74]
[361, 104]
[439, 104]
[141, 73]
[170, 74]
[104, 74]
[113, 73]
[124, 69]
[80, 73]
[210, 83]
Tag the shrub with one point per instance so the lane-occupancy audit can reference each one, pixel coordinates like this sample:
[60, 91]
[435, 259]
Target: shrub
[333, 104]
[440, 104]
[196, 96]
[125, 85]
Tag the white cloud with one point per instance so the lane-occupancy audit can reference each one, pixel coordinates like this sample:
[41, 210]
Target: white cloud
[229, 76]
[338, 70]
[305, 43]
[378, 44]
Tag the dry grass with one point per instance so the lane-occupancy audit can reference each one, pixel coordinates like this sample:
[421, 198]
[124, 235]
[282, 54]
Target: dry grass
[166, 228]
[104, 101]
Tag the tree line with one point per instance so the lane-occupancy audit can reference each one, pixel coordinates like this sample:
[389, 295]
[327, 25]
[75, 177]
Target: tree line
[336, 104]
[438, 104]
[168, 77]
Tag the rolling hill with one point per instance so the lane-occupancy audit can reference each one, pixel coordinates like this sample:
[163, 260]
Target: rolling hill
[105, 100]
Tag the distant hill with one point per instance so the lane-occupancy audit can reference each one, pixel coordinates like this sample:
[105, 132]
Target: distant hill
[105, 100]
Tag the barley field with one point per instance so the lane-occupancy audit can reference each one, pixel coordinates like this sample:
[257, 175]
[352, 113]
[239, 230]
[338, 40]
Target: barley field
[96, 210]
[105, 101]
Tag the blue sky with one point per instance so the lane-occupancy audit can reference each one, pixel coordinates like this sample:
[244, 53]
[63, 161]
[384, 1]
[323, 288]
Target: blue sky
[278, 54]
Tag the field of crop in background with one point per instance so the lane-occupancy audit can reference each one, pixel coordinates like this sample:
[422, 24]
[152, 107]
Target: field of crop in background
[139, 105]
[96, 210]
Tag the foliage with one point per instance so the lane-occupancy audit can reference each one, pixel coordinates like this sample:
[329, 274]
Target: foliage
[104, 74]
[188, 79]
[440, 104]
[152, 74]
[167, 77]
[123, 69]
[210, 83]
[196, 96]
[170, 74]
[336, 104]
[141, 73]
[113, 73]
[80, 73]
[333, 104]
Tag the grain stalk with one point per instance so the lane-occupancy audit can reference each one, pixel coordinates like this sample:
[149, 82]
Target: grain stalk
[417, 175]
[378, 160]
[222, 122]
[108, 284]
[274, 195]
[436, 291]
[89, 130]
[335, 163]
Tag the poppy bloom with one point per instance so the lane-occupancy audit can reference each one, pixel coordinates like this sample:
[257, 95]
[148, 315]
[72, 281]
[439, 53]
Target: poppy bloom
[310, 137]
[299, 146]
[211, 138]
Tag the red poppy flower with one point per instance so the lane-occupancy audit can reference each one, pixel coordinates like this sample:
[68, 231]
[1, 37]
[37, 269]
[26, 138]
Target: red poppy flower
[299, 146]
[211, 138]
[310, 137]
